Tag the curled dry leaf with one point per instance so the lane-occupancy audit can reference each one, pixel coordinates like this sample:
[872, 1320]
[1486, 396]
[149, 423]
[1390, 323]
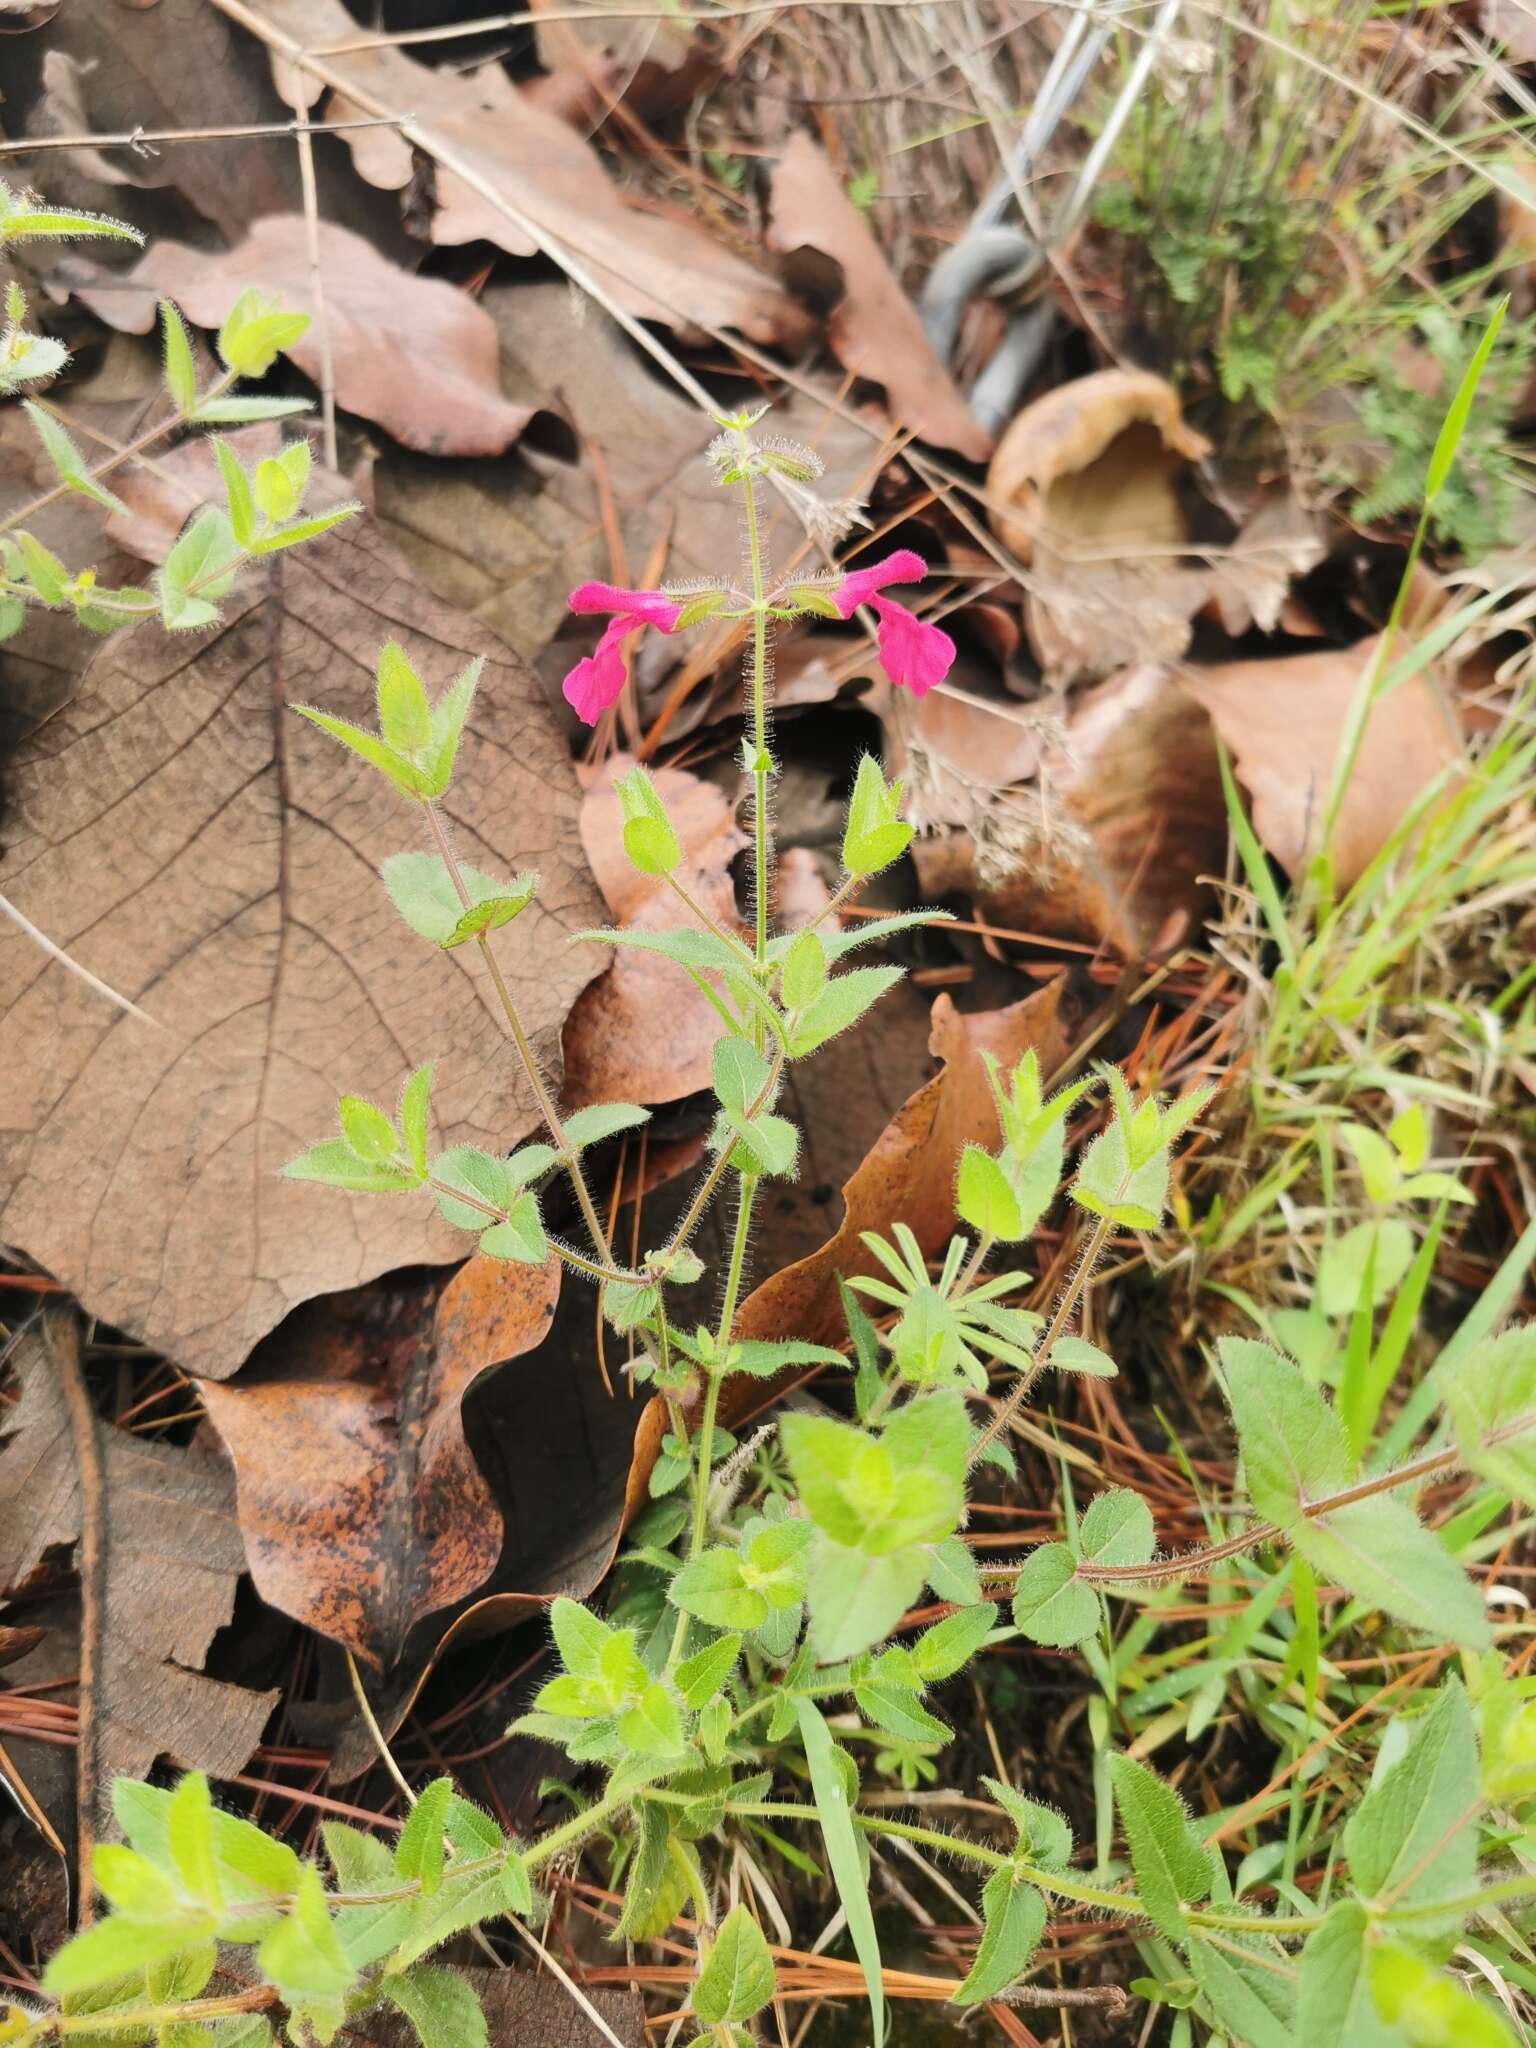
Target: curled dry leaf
[662, 268]
[1105, 837]
[909, 1173]
[158, 1554]
[215, 859]
[1283, 720]
[873, 328]
[411, 353]
[1084, 488]
[360, 1504]
[642, 1032]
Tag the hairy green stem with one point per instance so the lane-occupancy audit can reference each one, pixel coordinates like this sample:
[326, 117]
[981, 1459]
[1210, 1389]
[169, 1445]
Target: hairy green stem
[758, 565]
[1073, 1293]
[525, 1053]
[733, 1278]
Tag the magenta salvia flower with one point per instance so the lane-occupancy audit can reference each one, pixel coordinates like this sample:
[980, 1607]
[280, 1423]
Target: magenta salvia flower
[913, 654]
[596, 682]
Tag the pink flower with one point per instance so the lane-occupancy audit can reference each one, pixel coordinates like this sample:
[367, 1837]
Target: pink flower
[596, 682]
[913, 654]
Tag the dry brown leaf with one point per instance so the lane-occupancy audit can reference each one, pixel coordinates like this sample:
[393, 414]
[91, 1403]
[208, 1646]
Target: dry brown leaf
[158, 1553]
[1083, 487]
[214, 859]
[873, 330]
[643, 1032]
[909, 1174]
[409, 352]
[508, 541]
[1283, 720]
[178, 65]
[658, 267]
[1113, 837]
[361, 1507]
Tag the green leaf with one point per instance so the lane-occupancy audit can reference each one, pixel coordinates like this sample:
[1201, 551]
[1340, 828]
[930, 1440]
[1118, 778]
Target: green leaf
[458, 1903]
[804, 971]
[650, 842]
[837, 1832]
[1490, 1393]
[415, 1101]
[237, 494]
[521, 1237]
[404, 718]
[856, 1599]
[281, 481]
[67, 459]
[182, 1976]
[301, 530]
[1051, 1605]
[701, 1677]
[118, 1947]
[362, 1864]
[653, 1726]
[1013, 1920]
[440, 2005]
[367, 1130]
[335, 1165]
[1117, 1529]
[1378, 1162]
[407, 778]
[20, 221]
[760, 1358]
[579, 1637]
[422, 889]
[255, 333]
[1381, 1552]
[517, 1886]
[477, 1173]
[48, 576]
[419, 1850]
[1247, 1987]
[950, 1644]
[1448, 440]
[1076, 1354]
[1172, 1865]
[199, 570]
[841, 1003]
[251, 1865]
[302, 1955]
[737, 1978]
[701, 951]
[239, 412]
[1383, 1248]
[1334, 2006]
[602, 1120]
[1411, 1840]
[897, 1709]
[189, 1836]
[713, 1586]
[1293, 1444]
[1432, 2010]
[450, 714]
[881, 1494]
[952, 1572]
[132, 1883]
[985, 1198]
[1108, 1185]
[875, 834]
[1043, 1837]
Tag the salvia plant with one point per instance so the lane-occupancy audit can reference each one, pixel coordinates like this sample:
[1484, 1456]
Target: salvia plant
[757, 1645]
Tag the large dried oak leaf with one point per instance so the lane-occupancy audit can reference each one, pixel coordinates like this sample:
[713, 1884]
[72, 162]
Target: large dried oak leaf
[213, 858]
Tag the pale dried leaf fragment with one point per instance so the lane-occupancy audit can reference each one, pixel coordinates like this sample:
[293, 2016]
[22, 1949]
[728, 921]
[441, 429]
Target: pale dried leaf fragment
[874, 330]
[214, 858]
[658, 267]
[1283, 719]
[409, 352]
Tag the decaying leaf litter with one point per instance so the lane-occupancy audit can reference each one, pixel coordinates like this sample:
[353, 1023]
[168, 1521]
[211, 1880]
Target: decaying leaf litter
[527, 258]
